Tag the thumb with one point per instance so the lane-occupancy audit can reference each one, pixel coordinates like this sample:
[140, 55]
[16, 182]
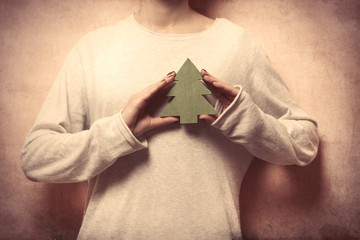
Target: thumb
[162, 121]
[208, 118]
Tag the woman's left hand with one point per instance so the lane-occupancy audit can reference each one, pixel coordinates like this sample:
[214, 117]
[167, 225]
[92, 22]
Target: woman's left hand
[222, 90]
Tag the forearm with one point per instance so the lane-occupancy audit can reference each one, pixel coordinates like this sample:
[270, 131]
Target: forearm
[53, 155]
[290, 139]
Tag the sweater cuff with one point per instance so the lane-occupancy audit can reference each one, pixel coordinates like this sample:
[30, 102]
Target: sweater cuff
[220, 121]
[135, 143]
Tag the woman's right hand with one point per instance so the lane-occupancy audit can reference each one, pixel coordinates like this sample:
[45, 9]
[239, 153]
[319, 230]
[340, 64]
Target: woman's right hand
[135, 113]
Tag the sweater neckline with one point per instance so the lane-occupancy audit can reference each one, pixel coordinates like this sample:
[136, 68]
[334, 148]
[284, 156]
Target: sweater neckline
[145, 31]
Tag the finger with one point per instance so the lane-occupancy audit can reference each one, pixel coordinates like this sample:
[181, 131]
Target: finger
[219, 85]
[226, 88]
[203, 72]
[168, 78]
[151, 90]
[219, 94]
[162, 121]
[208, 77]
[208, 118]
[163, 82]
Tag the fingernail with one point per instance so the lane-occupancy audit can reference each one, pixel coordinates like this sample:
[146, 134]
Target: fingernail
[204, 70]
[163, 80]
[170, 73]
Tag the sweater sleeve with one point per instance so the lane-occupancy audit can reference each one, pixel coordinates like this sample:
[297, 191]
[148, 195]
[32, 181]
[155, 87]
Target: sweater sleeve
[266, 120]
[61, 146]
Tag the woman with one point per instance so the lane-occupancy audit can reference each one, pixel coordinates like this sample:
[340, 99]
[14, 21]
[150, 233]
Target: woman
[150, 177]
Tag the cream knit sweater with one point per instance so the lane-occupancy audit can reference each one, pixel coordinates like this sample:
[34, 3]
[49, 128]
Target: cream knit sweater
[178, 181]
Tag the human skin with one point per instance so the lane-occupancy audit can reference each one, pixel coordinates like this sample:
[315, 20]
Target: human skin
[135, 115]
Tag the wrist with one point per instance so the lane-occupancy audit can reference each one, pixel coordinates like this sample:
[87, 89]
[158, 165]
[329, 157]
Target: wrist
[127, 119]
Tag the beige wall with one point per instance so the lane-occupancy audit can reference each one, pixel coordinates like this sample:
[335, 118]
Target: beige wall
[314, 45]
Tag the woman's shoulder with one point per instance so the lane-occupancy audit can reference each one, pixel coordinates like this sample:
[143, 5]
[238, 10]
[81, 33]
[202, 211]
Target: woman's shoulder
[102, 37]
[232, 31]
[230, 26]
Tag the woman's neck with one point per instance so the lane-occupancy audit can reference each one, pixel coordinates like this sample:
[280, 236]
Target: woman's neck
[171, 16]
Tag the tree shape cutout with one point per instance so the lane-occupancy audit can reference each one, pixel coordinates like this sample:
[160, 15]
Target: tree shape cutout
[188, 92]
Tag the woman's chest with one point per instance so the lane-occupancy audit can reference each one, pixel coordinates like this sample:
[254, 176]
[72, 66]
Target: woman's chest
[119, 73]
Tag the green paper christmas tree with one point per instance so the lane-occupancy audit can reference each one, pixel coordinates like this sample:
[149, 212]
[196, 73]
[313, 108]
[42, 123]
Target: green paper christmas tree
[188, 92]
